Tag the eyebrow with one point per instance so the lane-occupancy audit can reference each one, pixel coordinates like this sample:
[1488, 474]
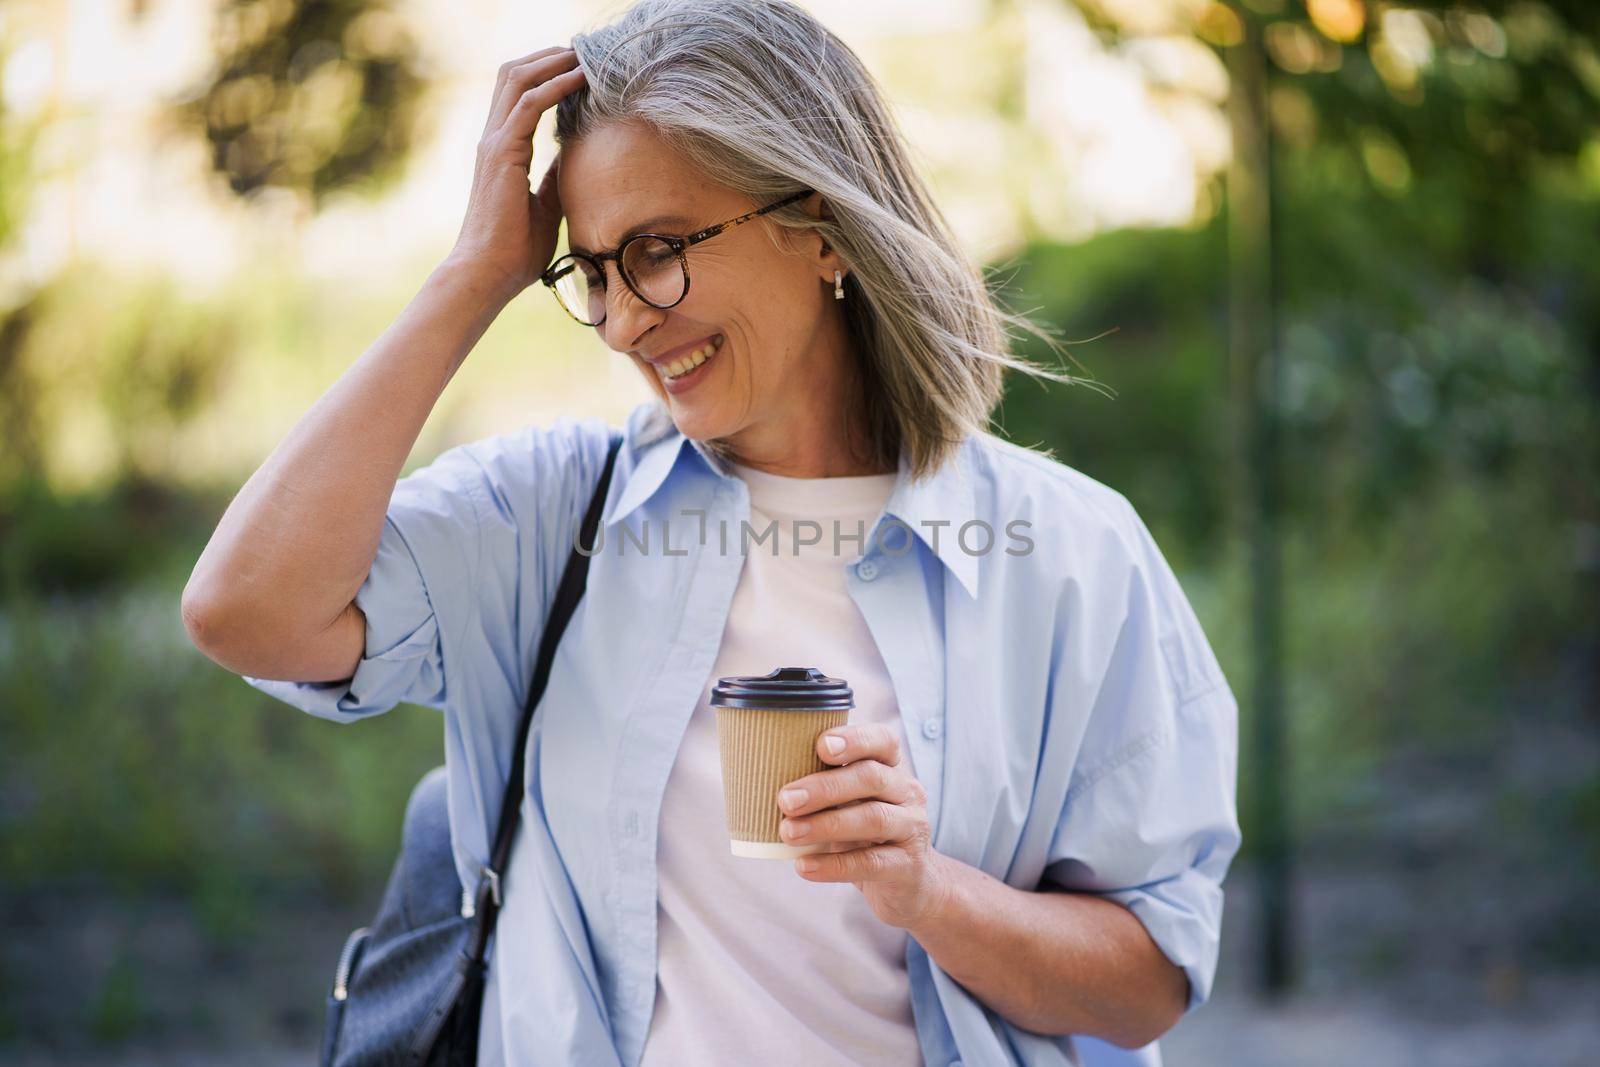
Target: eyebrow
[643, 226]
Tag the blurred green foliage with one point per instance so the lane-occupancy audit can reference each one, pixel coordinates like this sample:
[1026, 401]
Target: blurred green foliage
[1440, 553]
[312, 96]
[135, 763]
[1438, 337]
[134, 373]
[17, 139]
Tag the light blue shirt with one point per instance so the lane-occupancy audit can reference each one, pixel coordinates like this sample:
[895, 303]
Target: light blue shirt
[1065, 713]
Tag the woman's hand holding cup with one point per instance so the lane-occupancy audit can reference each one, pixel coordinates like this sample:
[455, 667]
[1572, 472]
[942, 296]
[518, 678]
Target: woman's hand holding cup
[871, 815]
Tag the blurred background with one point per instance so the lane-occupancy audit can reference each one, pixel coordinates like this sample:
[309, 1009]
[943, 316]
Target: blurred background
[1333, 262]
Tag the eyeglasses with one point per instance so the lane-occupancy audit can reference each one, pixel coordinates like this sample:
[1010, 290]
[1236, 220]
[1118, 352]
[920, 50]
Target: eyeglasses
[652, 265]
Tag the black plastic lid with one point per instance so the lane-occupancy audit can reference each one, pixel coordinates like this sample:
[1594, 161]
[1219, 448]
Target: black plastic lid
[797, 688]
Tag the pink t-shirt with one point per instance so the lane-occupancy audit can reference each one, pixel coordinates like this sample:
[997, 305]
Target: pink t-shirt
[756, 964]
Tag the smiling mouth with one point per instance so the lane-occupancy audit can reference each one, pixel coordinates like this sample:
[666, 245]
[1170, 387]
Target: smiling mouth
[677, 368]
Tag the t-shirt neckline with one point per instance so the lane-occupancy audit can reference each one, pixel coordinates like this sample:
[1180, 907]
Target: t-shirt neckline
[814, 497]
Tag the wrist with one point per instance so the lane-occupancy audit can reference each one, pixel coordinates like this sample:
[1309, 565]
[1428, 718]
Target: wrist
[946, 895]
[491, 285]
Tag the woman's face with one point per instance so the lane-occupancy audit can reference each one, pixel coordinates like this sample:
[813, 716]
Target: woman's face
[768, 307]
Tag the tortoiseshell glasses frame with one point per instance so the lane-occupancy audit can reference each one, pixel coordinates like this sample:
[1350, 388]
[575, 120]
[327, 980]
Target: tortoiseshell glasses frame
[597, 260]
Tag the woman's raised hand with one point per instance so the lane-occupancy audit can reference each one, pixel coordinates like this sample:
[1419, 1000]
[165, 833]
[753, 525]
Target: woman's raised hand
[509, 232]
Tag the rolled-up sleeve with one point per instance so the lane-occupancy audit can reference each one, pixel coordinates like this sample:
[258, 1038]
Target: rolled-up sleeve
[416, 592]
[471, 549]
[1150, 815]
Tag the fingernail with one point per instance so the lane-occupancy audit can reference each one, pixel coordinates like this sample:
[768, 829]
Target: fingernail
[791, 798]
[806, 863]
[833, 743]
[793, 827]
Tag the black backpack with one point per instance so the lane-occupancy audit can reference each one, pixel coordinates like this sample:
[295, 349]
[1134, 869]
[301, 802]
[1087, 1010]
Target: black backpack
[408, 988]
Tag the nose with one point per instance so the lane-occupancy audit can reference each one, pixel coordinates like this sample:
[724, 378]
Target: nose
[627, 317]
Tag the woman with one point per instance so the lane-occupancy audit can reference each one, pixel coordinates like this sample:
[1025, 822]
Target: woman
[1026, 822]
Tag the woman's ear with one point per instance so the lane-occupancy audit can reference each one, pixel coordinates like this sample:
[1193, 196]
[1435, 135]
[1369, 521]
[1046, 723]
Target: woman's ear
[828, 261]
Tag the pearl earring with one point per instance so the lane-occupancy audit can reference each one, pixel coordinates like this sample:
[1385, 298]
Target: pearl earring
[838, 286]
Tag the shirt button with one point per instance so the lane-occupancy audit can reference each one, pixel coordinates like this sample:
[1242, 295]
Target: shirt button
[931, 728]
[867, 569]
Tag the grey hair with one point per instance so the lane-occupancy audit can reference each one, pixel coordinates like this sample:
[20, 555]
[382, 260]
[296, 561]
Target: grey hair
[761, 94]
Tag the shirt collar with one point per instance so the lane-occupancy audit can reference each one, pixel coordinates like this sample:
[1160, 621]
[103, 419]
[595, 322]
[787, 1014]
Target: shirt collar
[934, 507]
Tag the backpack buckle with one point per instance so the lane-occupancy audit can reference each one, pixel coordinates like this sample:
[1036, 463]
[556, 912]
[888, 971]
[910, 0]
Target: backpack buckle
[493, 878]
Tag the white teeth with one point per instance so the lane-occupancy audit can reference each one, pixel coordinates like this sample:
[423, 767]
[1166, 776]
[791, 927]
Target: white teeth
[684, 364]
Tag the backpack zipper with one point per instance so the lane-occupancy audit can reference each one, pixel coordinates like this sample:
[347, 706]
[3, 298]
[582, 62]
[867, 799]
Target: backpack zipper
[341, 974]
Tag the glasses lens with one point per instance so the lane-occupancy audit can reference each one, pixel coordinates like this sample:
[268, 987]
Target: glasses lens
[580, 289]
[655, 270]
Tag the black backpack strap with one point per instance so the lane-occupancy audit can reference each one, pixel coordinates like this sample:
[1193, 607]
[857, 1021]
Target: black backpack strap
[570, 591]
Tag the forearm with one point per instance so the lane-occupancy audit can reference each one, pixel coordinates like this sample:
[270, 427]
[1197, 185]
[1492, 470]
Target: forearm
[1053, 962]
[296, 542]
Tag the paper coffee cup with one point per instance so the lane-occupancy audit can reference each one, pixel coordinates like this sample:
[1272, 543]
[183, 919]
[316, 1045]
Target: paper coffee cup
[767, 729]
